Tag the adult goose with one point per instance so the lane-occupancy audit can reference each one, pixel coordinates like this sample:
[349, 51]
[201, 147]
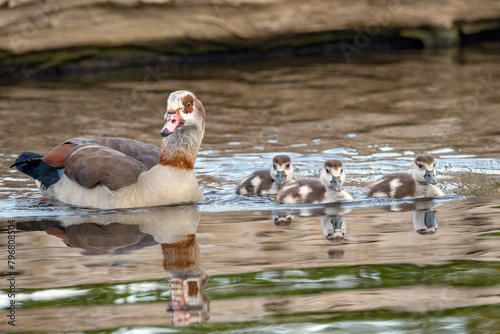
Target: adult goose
[420, 183]
[267, 182]
[111, 173]
[328, 189]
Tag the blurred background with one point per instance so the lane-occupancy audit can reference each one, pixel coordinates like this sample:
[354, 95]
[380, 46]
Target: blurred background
[372, 83]
[52, 37]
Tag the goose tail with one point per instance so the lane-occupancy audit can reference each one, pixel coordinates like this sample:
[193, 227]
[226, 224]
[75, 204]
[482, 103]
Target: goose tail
[32, 165]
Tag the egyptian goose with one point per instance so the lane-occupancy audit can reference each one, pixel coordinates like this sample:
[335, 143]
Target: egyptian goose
[111, 173]
[265, 182]
[420, 183]
[328, 189]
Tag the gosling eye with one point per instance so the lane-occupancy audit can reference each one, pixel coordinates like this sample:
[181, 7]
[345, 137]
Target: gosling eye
[420, 166]
[287, 165]
[342, 170]
[327, 170]
[274, 167]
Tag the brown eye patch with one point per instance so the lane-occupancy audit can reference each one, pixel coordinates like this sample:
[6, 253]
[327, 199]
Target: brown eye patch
[188, 102]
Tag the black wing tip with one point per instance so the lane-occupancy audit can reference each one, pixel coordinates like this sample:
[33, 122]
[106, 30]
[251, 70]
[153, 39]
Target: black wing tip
[27, 158]
[24, 162]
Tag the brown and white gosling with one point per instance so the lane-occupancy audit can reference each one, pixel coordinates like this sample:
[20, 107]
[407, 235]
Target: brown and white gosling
[420, 183]
[267, 182]
[328, 189]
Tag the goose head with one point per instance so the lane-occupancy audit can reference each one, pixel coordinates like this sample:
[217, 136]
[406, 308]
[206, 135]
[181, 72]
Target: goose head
[282, 169]
[423, 169]
[184, 113]
[333, 175]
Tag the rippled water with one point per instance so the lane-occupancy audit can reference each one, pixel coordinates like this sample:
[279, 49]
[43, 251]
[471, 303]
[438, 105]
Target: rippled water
[247, 264]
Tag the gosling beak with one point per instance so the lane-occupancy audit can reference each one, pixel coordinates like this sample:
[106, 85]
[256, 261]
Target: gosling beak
[280, 178]
[430, 177]
[173, 121]
[336, 183]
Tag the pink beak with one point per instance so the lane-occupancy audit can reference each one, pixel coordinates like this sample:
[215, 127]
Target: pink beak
[172, 123]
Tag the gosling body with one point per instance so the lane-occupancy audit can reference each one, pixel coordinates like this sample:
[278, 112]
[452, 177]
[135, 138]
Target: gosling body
[268, 182]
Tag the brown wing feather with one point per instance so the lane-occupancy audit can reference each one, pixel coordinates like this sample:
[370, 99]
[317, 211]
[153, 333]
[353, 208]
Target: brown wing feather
[146, 154]
[92, 165]
[55, 158]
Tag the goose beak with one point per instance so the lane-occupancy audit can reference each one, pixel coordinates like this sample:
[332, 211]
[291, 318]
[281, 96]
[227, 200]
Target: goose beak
[336, 183]
[280, 178]
[173, 121]
[430, 177]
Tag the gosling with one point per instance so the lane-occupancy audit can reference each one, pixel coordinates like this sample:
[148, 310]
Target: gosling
[267, 182]
[328, 189]
[420, 183]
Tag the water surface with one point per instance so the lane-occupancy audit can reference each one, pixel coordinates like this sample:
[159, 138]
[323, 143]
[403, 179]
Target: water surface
[247, 264]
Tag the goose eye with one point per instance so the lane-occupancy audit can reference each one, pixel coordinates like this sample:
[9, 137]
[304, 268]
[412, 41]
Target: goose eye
[188, 105]
[274, 167]
[420, 166]
[287, 165]
[327, 170]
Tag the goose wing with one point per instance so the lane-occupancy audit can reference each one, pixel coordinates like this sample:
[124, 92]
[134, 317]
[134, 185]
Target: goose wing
[91, 165]
[147, 154]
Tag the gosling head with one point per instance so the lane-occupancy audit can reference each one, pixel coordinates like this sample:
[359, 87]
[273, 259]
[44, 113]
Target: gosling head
[333, 175]
[282, 169]
[423, 169]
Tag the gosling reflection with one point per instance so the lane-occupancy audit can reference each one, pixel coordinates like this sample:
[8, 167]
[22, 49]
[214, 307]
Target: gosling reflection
[425, 221]
[424, 215]
[334, 228]
[333, 223]
[282, 218]
[174, 228]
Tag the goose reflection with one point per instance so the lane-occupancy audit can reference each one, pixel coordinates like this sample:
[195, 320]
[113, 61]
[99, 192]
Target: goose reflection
[173, 228]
